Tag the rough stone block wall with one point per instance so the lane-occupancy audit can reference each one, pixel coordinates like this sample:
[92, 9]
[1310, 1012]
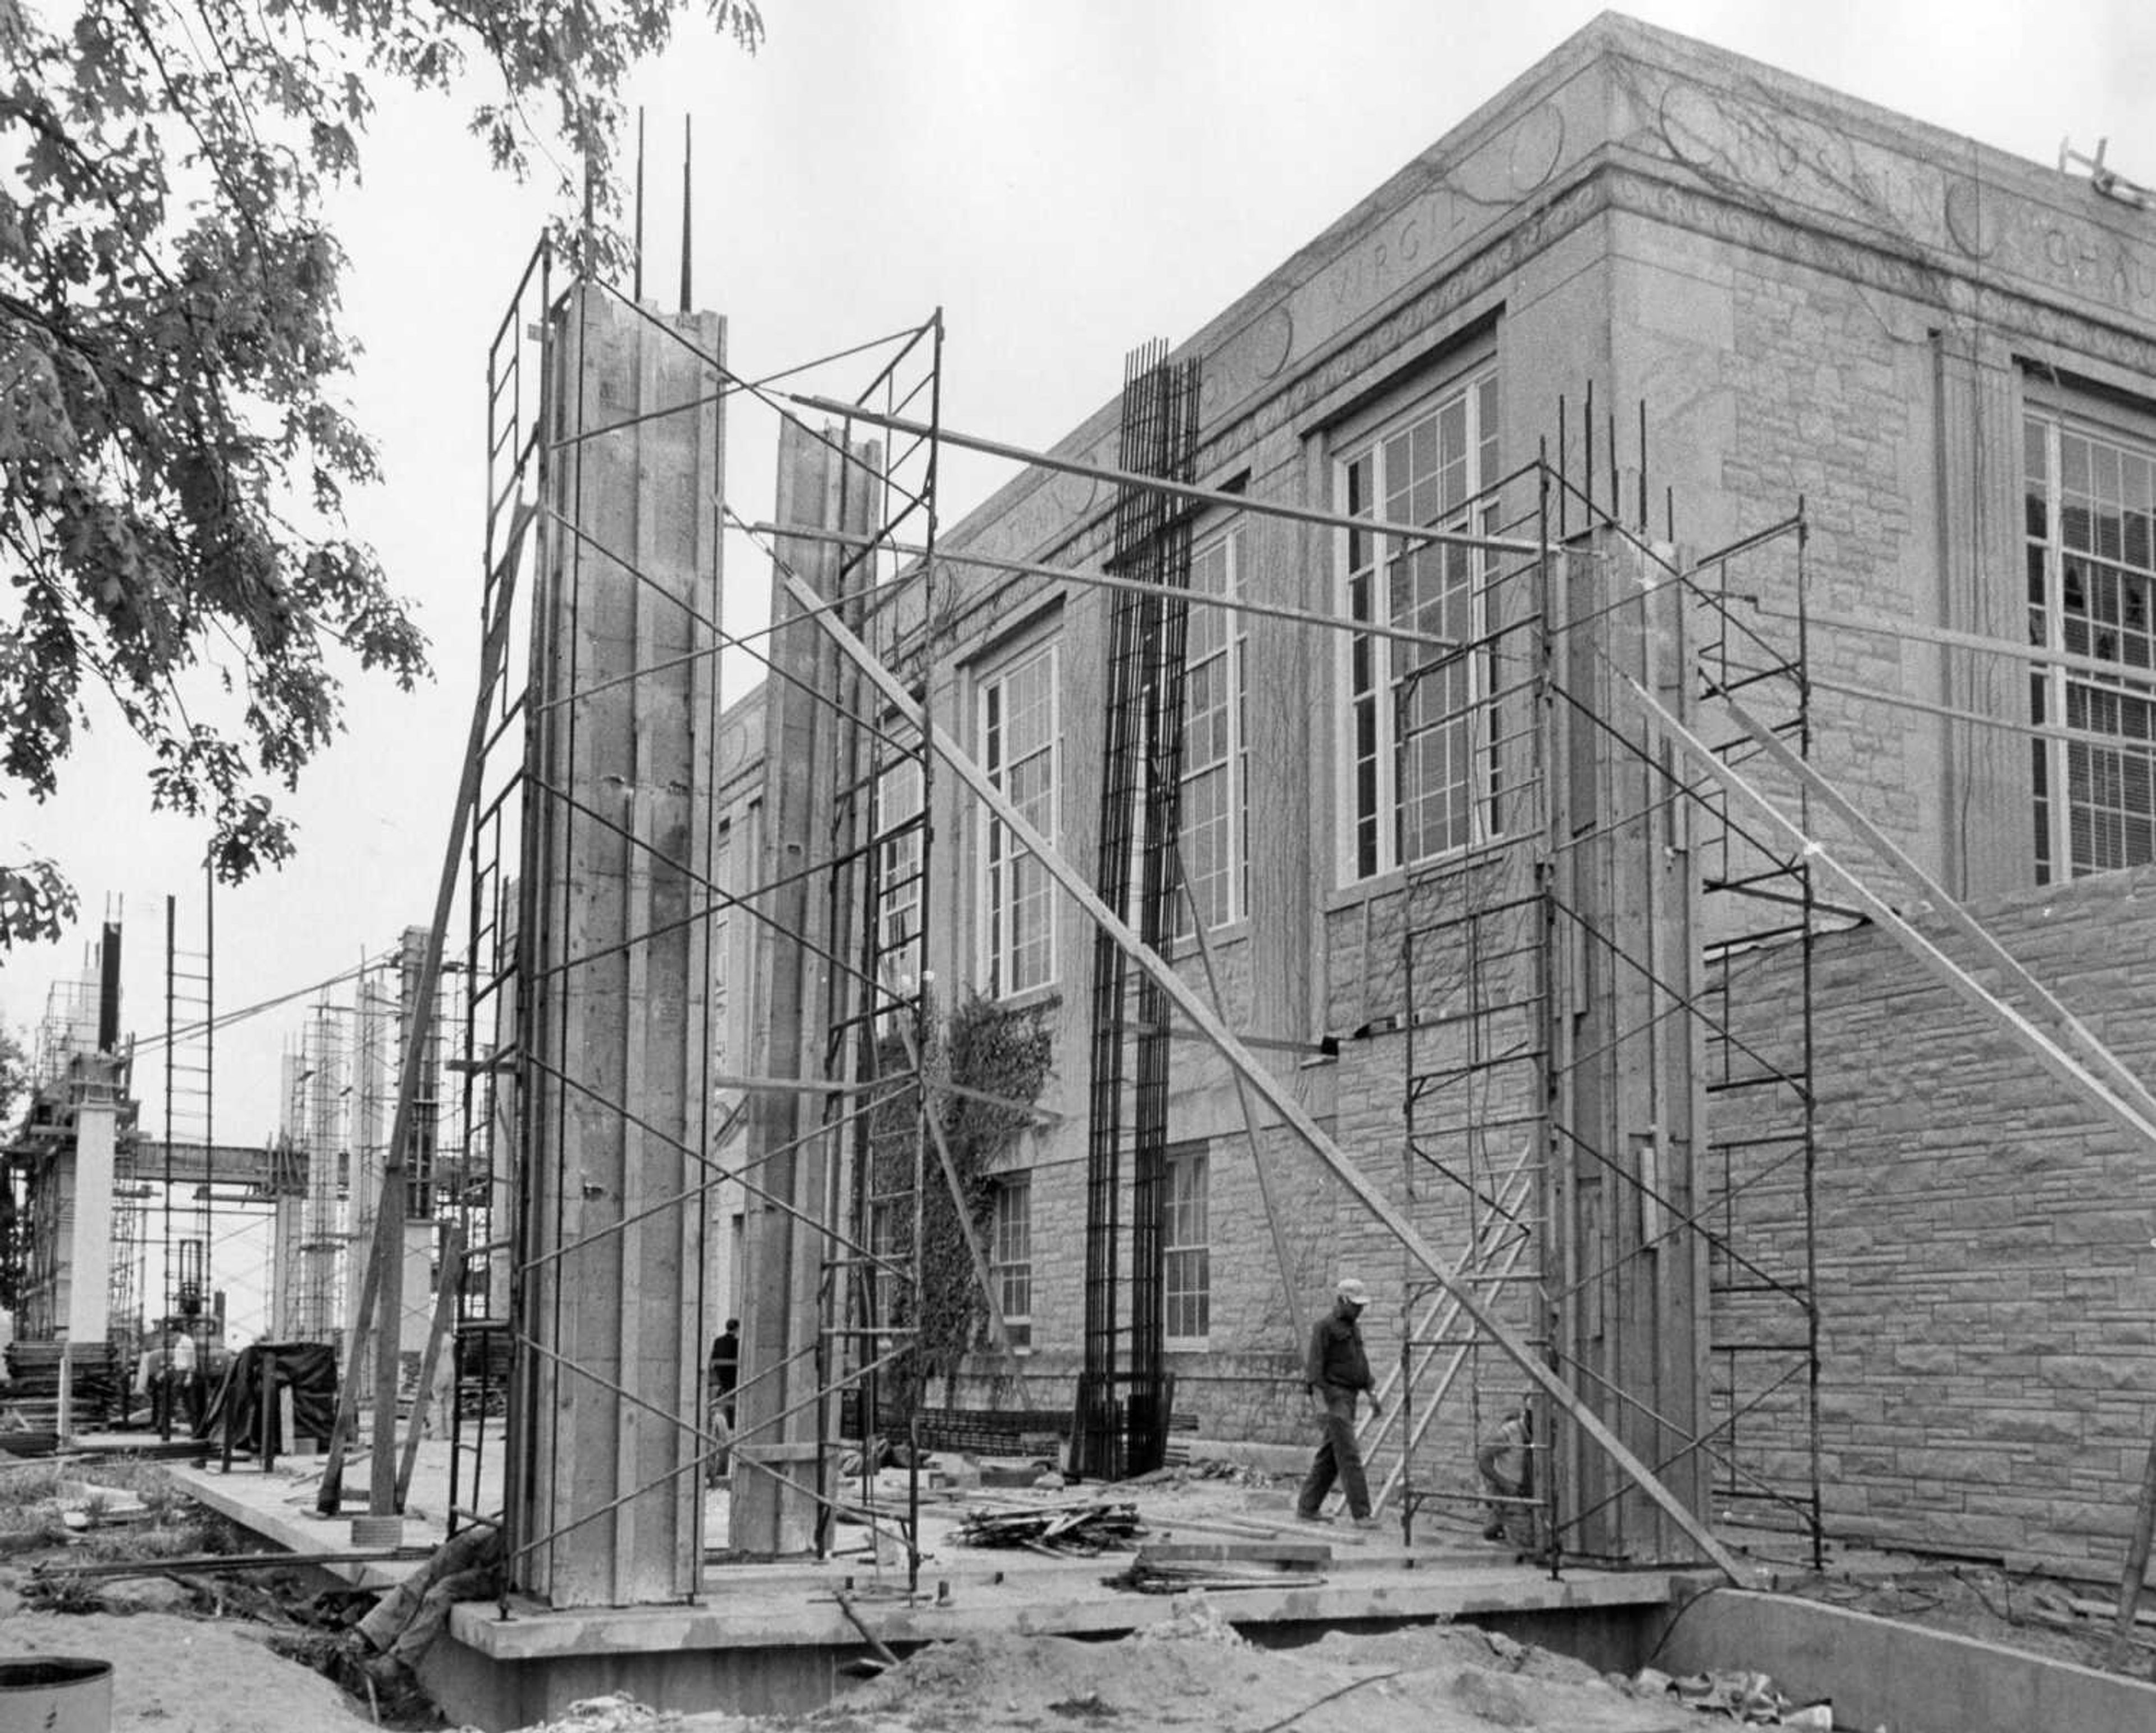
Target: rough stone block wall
[1825, 409]
[1987, 1286]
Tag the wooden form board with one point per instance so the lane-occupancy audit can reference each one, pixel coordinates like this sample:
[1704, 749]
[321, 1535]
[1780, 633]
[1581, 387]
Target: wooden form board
[608, 1493]
[1628, 1062]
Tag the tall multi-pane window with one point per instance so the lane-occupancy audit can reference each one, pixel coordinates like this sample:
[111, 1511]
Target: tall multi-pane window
[1186, 1253]
[1010, 1261]
[1420, 770]
[1021, 750]
[1214, 781]
[2090, 521]
[898, 876]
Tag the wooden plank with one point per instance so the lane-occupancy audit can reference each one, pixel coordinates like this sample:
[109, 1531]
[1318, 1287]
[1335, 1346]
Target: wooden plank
[445, 1320]
[2137, 1562]
[1230, 1048]
[1213, 1552]
[384, 1246]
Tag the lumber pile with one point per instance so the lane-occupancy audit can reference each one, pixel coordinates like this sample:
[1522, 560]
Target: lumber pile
[1078, 1530]
[99, 1394]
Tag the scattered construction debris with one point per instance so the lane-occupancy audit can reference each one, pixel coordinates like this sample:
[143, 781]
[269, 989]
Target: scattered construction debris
[1059, 1529]
[1751, 1698]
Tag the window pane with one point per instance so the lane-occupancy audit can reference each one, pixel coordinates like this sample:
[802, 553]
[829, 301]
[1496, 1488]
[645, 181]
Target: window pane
[1212, 720]
[1186, 1257]
[1020, 754]
[1422, 712]
[2091, 579]
[1011, 1256]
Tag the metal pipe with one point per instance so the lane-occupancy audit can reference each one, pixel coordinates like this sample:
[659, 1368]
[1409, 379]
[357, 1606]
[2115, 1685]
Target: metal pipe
[1179, 490]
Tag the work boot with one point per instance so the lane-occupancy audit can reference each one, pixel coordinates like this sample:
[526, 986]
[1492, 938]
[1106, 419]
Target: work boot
[1316, 1516]
[1367, 1522]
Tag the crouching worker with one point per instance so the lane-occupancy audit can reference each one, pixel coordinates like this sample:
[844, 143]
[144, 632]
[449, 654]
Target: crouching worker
[1505, 1460]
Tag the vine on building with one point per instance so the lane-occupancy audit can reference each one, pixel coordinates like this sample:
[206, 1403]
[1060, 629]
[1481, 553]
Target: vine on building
[985, 1066]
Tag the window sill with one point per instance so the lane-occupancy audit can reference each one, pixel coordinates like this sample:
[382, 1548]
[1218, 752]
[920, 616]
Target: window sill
[1401, 878]
[1184, 947]
[1049, 994]
[1363, 890]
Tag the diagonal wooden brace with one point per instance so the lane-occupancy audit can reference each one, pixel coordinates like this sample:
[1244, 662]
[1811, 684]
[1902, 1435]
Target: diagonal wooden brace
[2117, 1103]
[1343, 1166]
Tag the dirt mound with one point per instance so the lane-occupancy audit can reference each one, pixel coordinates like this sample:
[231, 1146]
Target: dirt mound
[1194, 1671]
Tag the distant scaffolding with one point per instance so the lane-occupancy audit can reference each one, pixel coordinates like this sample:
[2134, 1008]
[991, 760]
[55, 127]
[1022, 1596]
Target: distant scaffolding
[317, 1075]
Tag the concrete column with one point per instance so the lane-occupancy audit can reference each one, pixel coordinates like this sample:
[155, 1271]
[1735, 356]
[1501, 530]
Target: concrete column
[374, 1083]
[89, 1254]
[418, 1315]
[286, 1261]
[605, 1501]
[1633, 1311]
[774, 1505]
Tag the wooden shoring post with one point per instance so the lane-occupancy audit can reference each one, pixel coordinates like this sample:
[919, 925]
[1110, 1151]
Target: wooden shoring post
[446, 1292]
[383, 1468]
[2065, 1066]
[2137, 1565]
[1286, 1264]
[1239, 1057]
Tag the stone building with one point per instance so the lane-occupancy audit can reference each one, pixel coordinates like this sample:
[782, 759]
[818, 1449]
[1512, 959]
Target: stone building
[1710, 297]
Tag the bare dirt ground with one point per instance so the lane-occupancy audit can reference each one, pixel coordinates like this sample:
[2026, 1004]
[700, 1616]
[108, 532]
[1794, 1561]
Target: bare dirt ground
[191, 1653]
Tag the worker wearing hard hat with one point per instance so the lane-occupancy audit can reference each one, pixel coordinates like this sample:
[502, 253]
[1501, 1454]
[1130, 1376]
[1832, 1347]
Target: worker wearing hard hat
[1336, 1374]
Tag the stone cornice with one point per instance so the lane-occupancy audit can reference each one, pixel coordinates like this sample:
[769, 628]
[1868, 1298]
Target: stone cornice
[1628, 118]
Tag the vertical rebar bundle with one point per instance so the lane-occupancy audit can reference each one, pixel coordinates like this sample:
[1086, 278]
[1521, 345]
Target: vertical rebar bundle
[1122, 1418]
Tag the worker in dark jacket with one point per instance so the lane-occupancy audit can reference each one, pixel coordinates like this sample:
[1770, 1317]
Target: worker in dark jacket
[1336, 1374]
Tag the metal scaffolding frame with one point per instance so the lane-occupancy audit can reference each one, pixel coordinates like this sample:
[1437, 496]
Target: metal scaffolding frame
[1507, 1076]
[1498, 1157]
[859, 879]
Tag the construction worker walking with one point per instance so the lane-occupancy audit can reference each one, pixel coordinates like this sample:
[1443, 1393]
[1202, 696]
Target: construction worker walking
[1335, 1375]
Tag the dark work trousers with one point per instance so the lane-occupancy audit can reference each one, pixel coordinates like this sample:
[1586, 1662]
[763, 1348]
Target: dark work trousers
[1338, 1457]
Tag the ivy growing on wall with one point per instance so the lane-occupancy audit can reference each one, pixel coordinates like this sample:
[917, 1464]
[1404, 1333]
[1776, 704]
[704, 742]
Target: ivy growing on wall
[986, 1065]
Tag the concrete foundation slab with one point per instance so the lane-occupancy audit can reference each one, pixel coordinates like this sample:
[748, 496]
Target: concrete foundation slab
[773, 1638]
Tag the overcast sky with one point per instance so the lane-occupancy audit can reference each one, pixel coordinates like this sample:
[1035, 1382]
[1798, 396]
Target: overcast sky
[1065, 180]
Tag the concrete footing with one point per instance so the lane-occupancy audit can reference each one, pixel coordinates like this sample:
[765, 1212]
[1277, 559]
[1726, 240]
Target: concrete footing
[774, 1639]
[1894, 1678]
